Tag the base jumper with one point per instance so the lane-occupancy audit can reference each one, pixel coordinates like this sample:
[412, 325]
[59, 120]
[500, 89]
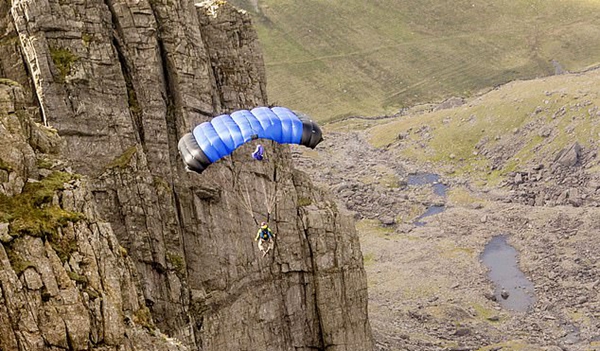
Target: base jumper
[265, 238]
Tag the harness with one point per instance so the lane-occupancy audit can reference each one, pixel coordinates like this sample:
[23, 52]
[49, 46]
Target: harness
[264, 234]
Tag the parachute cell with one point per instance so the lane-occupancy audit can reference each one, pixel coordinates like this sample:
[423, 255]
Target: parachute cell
[210, 141]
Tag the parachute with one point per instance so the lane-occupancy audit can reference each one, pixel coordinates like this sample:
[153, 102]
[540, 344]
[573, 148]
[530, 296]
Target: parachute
[210, 141]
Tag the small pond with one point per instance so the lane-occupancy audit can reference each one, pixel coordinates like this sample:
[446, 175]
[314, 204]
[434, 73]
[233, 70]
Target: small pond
[501, 260]
[438, 188]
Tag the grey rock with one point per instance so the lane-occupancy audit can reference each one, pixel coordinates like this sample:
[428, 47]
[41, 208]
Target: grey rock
[518, 178]
[568, 157]
[5, 237]
[462, 332]
[138, 78]
[387, 220]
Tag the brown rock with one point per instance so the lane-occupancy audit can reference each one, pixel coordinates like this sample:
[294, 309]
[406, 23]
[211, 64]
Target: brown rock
[120, 83]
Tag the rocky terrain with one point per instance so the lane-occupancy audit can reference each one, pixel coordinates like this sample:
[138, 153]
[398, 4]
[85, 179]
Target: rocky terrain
[428, 287]
[66, 281]
[107, 242]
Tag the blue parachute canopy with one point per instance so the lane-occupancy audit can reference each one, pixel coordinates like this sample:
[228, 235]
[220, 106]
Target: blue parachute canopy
[211, 141]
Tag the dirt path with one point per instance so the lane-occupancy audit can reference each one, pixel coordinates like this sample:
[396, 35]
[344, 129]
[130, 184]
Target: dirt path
[428, 289]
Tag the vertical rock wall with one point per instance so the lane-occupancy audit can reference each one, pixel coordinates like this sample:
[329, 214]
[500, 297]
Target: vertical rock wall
[121, 81]
[65, 282]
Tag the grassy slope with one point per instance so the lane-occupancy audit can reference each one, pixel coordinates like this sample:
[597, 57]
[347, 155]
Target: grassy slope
[523, 122]
[335, 58]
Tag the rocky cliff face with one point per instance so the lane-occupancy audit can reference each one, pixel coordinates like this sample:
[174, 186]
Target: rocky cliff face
[120, 82]
[65, 281]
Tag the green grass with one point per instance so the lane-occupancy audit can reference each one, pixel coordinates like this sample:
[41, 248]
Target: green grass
[460, 196]
[369, 259]
[506, 121]
[338, 58]
[373, 227]
[484, 313]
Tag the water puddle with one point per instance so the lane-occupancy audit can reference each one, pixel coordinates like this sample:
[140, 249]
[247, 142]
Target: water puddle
[513, 289]
[438, 188]
[428, 178]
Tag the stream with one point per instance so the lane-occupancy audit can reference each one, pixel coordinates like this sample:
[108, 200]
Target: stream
[438, 188]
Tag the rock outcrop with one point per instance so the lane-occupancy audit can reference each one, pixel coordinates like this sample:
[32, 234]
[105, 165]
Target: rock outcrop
[65, 281]
[120, 81]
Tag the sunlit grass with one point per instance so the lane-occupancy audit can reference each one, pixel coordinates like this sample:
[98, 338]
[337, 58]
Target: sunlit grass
[513, 345]
[506, 122]
[338, 58]
[372, 226]
[460, 196]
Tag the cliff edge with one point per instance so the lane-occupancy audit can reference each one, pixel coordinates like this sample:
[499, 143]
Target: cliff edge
[169, 254]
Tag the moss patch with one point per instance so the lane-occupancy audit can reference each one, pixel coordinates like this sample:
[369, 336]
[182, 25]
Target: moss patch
[483, 312]
[63, 246]
[123, 251]
[93, 294]
[31, 212]
[10, 39]
[63, 61]
[5, 166]
[9, 82]
[177, 262]
[124, 159]
[161, 184]
[134, 105]
[143, 317]
[44, 163]
[304, 201]
[86, 38]
[18, 264]
[78, 278]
